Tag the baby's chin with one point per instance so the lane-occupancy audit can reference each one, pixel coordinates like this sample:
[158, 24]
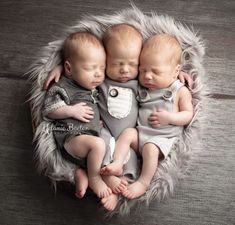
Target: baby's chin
[124, 80]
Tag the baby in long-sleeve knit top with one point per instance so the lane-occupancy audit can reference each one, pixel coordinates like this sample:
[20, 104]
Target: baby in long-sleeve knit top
[72, 105]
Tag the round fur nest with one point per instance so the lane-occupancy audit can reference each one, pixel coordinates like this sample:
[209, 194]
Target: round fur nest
[49, 160]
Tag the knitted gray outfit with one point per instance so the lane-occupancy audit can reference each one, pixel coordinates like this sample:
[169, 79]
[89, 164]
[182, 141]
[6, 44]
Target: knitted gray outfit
[71, 93]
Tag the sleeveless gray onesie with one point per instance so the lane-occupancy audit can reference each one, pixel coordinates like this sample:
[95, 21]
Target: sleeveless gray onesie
[165, 136]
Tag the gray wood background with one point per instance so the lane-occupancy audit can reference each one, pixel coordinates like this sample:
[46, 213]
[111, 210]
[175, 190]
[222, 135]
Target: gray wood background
[205, 197]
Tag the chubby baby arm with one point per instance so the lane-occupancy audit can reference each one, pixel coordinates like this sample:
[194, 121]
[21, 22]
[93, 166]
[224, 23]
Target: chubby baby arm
[57, 106]
[183, 117]
[185, 114]
[53, 75]
[78, 111]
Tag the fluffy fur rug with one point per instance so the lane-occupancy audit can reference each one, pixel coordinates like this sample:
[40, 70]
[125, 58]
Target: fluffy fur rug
[50, 162]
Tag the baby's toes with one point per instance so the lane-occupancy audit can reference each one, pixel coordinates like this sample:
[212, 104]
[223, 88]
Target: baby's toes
[107, 192]
[117, 190]
[104, 200]
[121, 188]
[126, 193]
[124, 182]
[102, 171]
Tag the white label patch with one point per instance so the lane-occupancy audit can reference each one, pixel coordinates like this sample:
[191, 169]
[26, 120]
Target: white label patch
[119, 101]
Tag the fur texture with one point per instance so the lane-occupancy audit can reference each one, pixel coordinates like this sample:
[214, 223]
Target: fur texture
[49, 160]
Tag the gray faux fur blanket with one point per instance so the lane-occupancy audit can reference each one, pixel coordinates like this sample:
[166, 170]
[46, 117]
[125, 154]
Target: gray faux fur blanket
[175, 166]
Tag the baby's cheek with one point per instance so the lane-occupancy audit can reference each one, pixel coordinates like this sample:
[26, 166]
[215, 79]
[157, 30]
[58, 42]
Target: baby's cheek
[135, 72]
[140, 78]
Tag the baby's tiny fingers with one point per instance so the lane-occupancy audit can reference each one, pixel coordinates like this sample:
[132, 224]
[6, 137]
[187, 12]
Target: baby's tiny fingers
[88, 107]
[57, 78]
[46, 84]
[83, 119]
[88, 116]
[90, 111]
[152, 118]
[153, 114]
[190, 85]
[154, 124]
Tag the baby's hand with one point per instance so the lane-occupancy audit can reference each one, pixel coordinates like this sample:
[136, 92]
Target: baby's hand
[82, 112]
[184, 77]
[159, 118]
[53, 75]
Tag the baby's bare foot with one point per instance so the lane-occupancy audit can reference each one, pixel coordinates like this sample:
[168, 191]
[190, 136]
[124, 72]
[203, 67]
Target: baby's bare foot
[110, 202]
[99, 187]
[81, 182]
[116, 184]
[112, 169]
[135, 190]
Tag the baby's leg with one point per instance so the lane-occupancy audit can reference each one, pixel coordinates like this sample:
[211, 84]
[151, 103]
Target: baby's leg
[81, 182]
[94, 149]
[110, 202]
[129, 137]
[150, 156]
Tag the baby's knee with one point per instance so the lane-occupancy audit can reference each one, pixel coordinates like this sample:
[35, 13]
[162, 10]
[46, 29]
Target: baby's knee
[130, 130]
[130, 133]
[151, 150]
[99, 144]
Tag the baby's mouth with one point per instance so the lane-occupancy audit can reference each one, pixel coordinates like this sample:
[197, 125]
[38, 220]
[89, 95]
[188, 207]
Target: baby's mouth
[96, 83]
[149, 85]
[124, 77]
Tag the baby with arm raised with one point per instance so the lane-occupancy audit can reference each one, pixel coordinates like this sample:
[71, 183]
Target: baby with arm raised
[165, 107]
[71, 104]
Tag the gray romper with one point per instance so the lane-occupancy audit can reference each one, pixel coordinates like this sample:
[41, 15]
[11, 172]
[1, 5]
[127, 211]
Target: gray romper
[165, 136]
[71, 93]
[119, 110]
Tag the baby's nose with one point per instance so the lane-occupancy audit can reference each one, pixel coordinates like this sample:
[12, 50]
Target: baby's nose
[124, 69]
[98, 73]
[148, 76]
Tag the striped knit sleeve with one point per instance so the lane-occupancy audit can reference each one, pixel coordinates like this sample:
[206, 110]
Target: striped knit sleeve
[56, 97]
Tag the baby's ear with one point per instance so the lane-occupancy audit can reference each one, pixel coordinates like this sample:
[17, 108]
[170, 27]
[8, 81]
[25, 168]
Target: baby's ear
[67, 68]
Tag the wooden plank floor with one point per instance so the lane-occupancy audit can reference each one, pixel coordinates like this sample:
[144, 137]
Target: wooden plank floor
[205, 197]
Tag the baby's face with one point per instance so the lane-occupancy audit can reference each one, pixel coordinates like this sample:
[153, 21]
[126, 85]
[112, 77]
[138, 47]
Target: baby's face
[156, 71]
[122, 62]
[89, 70]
